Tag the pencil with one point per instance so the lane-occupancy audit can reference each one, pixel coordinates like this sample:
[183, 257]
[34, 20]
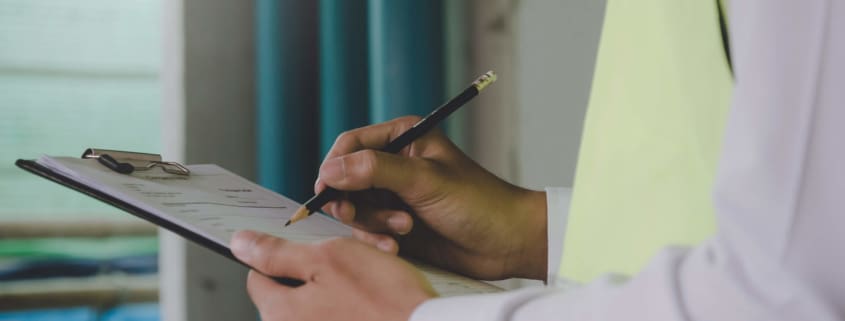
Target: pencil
[418, 130]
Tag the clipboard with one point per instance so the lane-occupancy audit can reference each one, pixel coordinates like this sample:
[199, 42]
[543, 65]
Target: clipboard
[136, 195]
[137, 160]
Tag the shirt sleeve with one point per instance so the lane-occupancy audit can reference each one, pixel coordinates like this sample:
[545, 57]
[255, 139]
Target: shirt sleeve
[557, 214]
[777, 253]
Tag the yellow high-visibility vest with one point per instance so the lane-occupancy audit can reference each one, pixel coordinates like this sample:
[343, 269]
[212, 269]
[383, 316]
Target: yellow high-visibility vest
[652, 135]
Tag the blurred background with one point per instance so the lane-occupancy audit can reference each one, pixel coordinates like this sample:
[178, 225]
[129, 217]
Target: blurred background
[261, 87]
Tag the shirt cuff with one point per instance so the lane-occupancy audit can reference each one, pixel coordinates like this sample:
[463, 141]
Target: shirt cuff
[485, 307]
[557, 213]
[497, 305]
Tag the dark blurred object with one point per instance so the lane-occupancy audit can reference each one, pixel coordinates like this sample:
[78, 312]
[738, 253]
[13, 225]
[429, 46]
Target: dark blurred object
[53, 268]
[77, 228]
[98, 291]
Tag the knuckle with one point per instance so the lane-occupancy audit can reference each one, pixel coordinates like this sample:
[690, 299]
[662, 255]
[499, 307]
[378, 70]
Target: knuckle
[346, 142]
[251, 279]
[405, 122]
[368, 162]
[409, 120]
[331, 247]
[369, 238]
[361, 235]
[344, 138]
[262, 252]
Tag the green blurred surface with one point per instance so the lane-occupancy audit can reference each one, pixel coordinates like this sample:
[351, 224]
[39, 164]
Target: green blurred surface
[78, 248]
[73, 75]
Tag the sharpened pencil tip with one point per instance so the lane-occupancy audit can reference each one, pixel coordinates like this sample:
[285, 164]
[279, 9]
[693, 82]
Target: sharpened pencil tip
[300, 214]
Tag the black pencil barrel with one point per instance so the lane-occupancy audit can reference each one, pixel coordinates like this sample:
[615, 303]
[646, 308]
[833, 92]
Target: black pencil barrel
[430, 121]
[419, 129]
[318, 201]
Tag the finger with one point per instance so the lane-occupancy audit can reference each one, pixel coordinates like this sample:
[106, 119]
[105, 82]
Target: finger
[342, 210]
[384, 221]
[426, 244]
[382, 242]
[400, 222]
[272, 255]
[319, 186]
[370, 137]
[372, 169]
[266, 293]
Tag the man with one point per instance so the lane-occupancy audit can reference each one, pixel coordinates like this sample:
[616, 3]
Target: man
[775, 255]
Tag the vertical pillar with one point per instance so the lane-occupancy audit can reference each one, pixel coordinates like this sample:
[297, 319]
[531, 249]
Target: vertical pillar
[207, 97]
[343, 68]
[406, 57]
[288, 98]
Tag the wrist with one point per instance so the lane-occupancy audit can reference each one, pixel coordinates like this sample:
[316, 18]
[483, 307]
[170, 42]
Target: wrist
[532, 262]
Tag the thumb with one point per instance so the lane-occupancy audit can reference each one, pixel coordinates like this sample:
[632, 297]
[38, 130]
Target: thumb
[369, 168]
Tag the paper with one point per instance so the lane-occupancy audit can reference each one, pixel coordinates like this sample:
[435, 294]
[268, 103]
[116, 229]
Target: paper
[215, 203]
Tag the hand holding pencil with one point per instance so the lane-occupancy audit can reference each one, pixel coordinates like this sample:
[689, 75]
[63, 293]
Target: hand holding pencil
[421, 128]
[447, 209]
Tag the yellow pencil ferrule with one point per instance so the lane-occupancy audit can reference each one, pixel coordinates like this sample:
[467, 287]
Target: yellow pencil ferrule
[484, 81]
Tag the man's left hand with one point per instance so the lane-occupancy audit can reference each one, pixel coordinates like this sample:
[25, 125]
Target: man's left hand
[344, 280]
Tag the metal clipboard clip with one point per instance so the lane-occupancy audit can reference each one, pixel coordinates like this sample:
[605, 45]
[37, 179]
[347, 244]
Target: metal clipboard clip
[128, 162]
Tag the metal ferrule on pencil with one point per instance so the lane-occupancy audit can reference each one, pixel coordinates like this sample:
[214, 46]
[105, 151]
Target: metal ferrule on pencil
[484, 80]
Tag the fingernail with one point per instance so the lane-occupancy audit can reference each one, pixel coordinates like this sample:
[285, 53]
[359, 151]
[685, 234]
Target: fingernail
[241, 244]
[333, 170]
[336, 210]
[398, 223]
[337, 216]
[385, 245]
[317, 182]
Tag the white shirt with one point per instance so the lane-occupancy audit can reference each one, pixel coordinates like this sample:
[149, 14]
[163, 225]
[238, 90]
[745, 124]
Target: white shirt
[779, 196]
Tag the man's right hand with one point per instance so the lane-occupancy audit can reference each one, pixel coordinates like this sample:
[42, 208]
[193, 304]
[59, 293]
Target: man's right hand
[440, 205]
